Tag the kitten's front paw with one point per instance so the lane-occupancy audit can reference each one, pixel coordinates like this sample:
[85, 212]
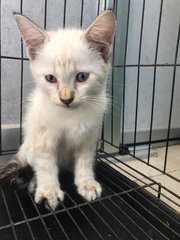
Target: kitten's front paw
[51, 194]
[89, 189]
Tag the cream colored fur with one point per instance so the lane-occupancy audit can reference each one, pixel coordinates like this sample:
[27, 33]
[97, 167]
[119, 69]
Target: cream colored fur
[56, 135]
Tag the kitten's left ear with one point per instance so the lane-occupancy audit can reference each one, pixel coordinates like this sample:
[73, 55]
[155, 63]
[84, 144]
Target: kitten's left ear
[33, 36]
[101, 32]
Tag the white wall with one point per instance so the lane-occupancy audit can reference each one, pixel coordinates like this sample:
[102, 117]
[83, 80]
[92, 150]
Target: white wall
[164, 75]
[166, 54]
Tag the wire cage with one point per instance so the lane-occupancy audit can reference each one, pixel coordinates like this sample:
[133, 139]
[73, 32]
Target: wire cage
[144, 91]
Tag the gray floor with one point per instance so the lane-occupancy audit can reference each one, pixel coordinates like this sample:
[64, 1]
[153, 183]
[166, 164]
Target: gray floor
[173, 168]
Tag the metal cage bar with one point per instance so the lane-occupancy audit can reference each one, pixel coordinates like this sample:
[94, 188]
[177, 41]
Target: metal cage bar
[154, 79]
[22, 75]
[172, 97]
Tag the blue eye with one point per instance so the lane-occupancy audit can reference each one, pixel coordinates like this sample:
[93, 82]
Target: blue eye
[82, 76]
[50, 78]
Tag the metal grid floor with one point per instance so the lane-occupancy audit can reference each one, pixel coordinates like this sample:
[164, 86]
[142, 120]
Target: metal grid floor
[125, 211]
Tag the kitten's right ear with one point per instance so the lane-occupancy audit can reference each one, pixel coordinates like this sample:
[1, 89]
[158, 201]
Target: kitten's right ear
[33, 36]
[101, 32]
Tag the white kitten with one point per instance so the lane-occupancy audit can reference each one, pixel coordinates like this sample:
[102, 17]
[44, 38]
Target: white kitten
[66, 108]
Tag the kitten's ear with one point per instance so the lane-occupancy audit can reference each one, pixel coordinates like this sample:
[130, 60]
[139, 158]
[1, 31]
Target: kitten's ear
[101, 32]
[33, 36]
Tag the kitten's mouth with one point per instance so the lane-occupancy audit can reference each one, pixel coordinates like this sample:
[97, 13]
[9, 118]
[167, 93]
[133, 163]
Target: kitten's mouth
[70, 107]
[67, 106]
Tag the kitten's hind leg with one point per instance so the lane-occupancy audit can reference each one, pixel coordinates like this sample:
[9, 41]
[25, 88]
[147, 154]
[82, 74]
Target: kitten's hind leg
[9, 172]
[9, 169]
[13, 173]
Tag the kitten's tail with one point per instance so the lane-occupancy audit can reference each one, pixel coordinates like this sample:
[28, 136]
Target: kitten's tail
[10, 172]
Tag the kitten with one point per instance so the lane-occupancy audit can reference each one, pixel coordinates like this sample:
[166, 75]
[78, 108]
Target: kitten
[66, 108]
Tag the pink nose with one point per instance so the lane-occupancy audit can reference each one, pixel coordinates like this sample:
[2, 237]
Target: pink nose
[66, 95]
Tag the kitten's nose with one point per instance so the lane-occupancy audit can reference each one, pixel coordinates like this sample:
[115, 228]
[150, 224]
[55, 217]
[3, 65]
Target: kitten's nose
[66, 95]
[67, 101]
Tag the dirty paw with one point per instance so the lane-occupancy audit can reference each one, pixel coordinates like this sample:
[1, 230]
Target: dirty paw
[50, 195]
[89, 189]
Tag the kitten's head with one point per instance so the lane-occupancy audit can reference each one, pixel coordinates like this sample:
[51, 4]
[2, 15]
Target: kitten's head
[70, 65]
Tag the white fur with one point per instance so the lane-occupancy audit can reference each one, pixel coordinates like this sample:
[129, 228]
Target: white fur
[57, 135]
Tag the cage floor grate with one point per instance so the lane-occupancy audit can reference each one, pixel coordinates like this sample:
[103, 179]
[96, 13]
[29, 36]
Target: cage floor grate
[125, 211]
